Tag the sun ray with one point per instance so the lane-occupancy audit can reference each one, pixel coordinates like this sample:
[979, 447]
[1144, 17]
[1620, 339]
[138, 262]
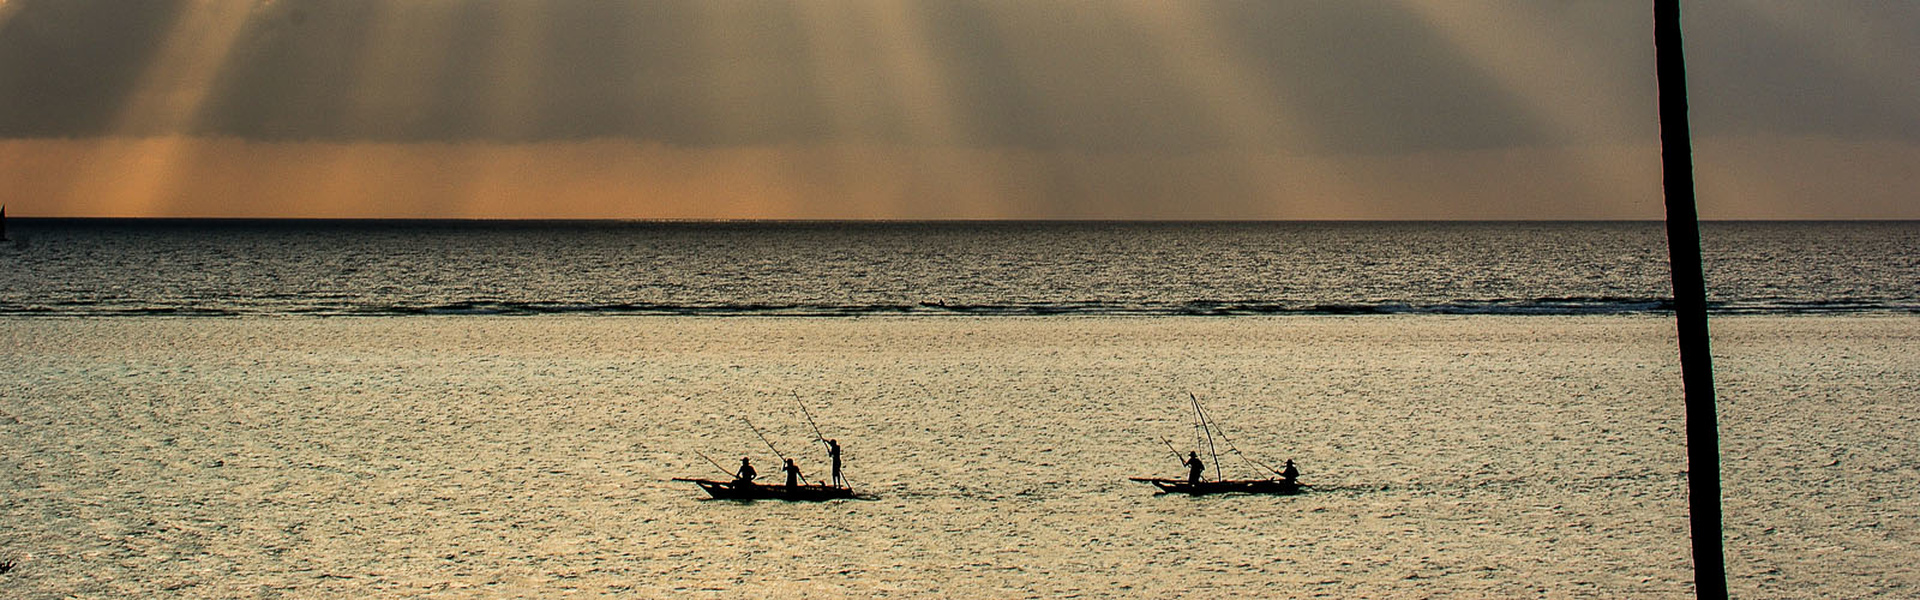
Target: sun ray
[165, 102]
[929, 103]
[847, 86]
[8, 8]
[1251, 115]
[509, 108]
[1567, 83]
[396, 69]
[392, 86]
[512, 62]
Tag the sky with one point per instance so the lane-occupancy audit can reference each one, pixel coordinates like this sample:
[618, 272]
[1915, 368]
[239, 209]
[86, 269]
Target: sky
[948, 109]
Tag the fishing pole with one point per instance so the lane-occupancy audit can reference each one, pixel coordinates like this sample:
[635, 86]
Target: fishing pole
[763, 438]
[715, 463]
[1199, 435]
[1176, 453]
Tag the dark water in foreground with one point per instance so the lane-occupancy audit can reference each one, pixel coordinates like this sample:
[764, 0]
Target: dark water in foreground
[120, 267]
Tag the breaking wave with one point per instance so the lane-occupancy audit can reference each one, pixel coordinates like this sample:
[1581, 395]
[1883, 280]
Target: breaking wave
[1571, 306]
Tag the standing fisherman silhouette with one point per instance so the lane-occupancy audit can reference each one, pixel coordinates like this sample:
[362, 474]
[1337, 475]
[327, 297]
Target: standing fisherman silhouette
[1194, 467]
[746, 475]
[793, 473]
[833, 452]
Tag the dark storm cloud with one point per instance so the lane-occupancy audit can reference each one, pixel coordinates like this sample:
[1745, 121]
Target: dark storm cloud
[1361, 76]
[66, 67]
[1762, 75]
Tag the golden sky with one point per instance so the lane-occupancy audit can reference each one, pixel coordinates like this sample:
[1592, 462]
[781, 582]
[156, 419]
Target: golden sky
[968, 109]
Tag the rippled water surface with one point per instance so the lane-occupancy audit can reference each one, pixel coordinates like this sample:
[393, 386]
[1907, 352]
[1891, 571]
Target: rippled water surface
[113, 268]
[491, 456]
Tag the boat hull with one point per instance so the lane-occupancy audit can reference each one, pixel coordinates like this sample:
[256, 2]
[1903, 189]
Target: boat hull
[1271, 487]
[727, 490]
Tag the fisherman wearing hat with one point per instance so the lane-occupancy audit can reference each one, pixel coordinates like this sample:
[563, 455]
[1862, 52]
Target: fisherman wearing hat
[746, 475]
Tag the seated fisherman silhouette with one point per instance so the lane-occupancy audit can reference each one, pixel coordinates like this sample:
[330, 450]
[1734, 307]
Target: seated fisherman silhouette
[793, 473]
[746, 474]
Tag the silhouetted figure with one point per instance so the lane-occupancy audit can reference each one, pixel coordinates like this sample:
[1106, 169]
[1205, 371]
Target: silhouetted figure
[1194, 467]
[1290, 473]
[793, 473]
[833, 452]
[746, 474]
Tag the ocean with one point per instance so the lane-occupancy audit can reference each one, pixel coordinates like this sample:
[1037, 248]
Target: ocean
[216, 268]
[497, 410]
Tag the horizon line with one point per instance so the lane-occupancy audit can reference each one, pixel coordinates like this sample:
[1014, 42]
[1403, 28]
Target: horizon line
[717, 221]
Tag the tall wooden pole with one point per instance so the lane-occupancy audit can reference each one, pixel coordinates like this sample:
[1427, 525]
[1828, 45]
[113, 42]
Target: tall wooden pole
[1689, 304]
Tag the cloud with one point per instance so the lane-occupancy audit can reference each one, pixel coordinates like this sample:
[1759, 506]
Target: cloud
[1360, 109]
[1841, 69]
[1124, 76]
[1767, 177]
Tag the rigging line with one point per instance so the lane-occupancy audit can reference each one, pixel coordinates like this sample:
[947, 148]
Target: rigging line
[1230, 445]
[1203, 424]
[1236, 449]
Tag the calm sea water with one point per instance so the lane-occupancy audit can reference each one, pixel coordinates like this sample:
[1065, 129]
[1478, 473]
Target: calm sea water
[95, 268]
[1484, 410]
[463, 457]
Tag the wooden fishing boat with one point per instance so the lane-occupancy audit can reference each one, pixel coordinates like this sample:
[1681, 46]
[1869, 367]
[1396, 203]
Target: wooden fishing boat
[1271, 487]
[1286, 484]
[728, 490]
[802, 491]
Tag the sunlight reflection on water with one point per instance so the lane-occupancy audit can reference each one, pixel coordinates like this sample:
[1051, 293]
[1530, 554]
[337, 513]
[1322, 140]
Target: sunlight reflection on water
[488, 456]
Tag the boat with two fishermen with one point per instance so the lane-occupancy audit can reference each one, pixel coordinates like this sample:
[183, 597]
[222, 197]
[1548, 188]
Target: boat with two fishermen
[1283, 482]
